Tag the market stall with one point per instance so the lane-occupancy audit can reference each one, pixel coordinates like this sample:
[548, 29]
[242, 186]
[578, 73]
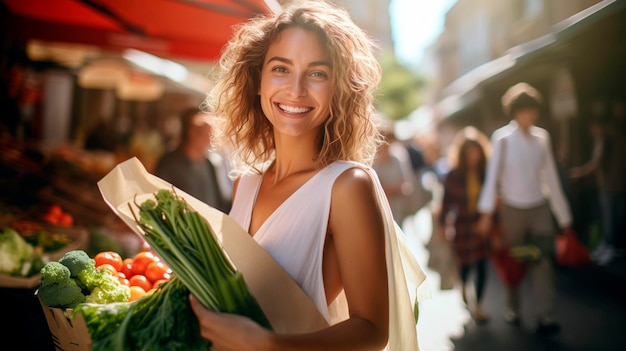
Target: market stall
[73, 78]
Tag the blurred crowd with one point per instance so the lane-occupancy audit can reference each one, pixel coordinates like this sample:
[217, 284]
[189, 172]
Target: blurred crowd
[509, 189]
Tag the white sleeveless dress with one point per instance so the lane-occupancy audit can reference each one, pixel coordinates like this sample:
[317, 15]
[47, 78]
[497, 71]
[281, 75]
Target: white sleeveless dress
[294, 236]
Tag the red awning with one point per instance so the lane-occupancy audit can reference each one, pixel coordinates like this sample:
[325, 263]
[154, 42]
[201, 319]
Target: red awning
[185, 29]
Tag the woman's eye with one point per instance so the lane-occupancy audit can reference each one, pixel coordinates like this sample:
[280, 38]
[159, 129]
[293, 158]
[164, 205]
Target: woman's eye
[279, 69]
[319, 74]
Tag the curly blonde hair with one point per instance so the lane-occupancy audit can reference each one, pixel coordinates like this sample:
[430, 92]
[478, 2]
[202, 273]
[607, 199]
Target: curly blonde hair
[240, 125]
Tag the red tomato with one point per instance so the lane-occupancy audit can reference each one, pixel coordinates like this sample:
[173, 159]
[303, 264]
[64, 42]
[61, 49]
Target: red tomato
[110, 257]
[50, 218]
[55, 210]
[156, 271]
[66, 219]
[141, 262]
[127, 267]
[140, 281]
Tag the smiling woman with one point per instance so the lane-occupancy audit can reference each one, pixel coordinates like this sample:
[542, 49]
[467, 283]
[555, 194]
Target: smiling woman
[294, 101]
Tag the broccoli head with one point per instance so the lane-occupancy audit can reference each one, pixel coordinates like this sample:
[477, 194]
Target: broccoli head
[103, 286]
[54, 273]
[77, 261]
[65, 294]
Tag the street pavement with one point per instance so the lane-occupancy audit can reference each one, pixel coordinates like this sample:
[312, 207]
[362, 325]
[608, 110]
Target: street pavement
[590, 306]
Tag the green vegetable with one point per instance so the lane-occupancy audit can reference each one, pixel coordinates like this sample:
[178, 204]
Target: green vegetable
[45, 240]
[162, 320]
[54, 273]
[66, 294]
[102, 320]
[75, 279]
[185, 241]
[77, 261]
[57, 288]
[103, 286]
[17, 256]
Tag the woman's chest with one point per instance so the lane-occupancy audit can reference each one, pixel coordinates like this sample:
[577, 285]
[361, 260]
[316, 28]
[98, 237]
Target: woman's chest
[272, 196]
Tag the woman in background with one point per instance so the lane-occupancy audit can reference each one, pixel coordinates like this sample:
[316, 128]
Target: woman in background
[461, 189]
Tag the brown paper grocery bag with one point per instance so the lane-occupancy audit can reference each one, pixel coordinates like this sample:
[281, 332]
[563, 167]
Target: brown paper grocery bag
[287, 307]
[68, 334]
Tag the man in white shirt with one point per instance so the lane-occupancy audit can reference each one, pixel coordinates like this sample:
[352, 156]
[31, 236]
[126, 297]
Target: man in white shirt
[522, 172]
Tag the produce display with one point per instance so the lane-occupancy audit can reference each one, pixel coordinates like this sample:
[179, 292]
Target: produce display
[26, 245]
[142, 273]
[43, 239]
[153, 312]
[17, 256]
[75, 279]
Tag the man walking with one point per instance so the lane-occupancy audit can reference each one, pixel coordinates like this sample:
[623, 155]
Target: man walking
[523, 174]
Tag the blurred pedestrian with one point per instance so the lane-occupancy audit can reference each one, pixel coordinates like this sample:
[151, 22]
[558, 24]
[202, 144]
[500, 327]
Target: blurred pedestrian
[608, 164]
[189, 166]
[420, 196]
[392, 164]
[521, 167]
[416, 155]
[461, 188]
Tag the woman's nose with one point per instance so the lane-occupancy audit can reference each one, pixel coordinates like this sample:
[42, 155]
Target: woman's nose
[297, 86]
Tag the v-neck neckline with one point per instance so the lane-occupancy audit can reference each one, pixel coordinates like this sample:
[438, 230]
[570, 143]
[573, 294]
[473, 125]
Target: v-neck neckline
[281, 205]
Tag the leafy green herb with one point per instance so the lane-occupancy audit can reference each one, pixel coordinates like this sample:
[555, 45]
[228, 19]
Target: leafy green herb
[162, 320]
[186, 242]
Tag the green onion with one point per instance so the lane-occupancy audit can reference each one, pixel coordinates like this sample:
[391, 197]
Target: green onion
[187, 243]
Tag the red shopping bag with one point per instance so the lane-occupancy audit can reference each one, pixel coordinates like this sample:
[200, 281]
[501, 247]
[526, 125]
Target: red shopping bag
[510, 270]
[571, 252]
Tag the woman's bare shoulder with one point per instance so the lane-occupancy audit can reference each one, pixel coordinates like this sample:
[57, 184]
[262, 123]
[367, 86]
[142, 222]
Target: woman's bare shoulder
[352, 181]
[354, 196]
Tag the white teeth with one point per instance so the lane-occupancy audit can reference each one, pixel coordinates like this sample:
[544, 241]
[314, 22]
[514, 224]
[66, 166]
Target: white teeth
[292, 109]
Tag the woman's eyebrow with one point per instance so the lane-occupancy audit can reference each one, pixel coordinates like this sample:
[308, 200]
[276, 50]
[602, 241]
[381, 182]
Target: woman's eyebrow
[289, 62]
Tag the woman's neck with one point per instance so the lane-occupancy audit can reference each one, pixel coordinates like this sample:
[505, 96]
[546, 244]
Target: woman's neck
[293, 156]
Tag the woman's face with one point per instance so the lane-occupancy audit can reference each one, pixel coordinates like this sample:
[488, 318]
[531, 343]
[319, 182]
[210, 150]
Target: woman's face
[472, 155]
[295, 83]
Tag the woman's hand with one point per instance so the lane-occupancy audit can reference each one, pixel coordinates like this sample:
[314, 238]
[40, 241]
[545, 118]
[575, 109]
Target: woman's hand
[229, 332]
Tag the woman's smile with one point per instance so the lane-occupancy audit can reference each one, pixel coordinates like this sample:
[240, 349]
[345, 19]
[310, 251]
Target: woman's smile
[293, 109]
